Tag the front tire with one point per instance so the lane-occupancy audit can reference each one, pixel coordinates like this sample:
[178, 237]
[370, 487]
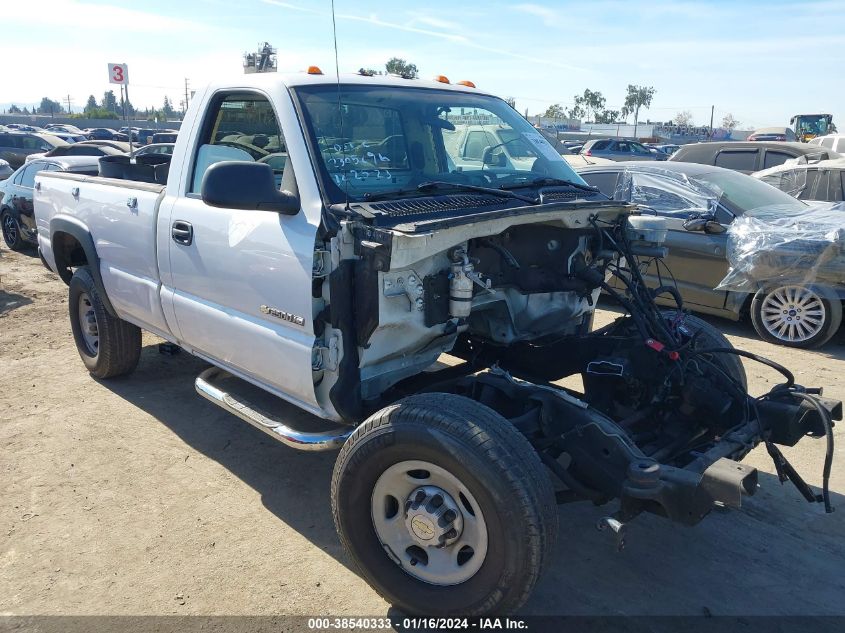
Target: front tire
[108, 345]
[444, 507]
[795, 315]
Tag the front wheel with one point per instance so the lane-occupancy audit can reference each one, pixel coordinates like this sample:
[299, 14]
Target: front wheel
[796, 315]
[444, 507]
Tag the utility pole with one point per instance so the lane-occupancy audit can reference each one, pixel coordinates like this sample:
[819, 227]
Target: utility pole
[186, 97]
[712, 108]
[125, 98]
[68, 104]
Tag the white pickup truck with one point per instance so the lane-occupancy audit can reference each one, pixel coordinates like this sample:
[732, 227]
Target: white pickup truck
[317, 239]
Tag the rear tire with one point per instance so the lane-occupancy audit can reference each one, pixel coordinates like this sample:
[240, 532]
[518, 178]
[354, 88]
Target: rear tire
[774, 307]
[483, 467]
[108, 345]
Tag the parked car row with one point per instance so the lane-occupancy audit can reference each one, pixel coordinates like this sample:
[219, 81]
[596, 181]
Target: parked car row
[72, 134]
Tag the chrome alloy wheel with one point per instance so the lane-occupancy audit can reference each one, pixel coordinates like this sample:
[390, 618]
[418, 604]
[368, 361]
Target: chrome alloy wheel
[793, 313]
[88, 325]
[429, 523]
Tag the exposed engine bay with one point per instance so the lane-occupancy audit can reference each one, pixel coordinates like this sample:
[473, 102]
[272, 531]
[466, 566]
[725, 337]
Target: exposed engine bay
[664, 415]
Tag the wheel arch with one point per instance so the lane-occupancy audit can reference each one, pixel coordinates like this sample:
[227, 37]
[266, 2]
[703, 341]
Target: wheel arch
[73, 246]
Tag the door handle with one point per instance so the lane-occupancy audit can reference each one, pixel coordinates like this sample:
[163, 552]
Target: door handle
[182, 232]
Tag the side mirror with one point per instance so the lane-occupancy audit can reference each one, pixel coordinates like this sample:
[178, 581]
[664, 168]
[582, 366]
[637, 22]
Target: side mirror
[695, 225]
[245, 185]
[714, 227]
[497, 160]
[705, 225]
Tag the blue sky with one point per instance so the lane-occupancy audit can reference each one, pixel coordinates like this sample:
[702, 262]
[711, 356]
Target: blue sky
[760, 61]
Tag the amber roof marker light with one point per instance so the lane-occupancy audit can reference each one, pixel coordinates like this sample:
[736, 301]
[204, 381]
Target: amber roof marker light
[314, 70]
[466, 83]
[442, 79]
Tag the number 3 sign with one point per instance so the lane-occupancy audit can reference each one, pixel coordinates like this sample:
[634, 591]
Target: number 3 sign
[118, 74]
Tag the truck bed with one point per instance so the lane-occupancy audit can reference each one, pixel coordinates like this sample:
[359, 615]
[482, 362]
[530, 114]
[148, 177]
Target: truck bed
[121, 216]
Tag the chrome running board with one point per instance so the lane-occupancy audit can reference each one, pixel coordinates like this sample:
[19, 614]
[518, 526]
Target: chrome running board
[304, 441]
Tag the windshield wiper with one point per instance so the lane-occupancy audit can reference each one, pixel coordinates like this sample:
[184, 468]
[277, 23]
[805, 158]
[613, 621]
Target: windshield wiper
[502, 193]
[386, 195]
[547, 181]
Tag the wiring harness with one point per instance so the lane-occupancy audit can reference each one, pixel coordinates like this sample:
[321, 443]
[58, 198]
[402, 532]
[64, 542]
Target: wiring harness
[666, 337]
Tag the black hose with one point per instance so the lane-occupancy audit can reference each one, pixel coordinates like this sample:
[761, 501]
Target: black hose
[790, 378]
[672, 291]
[828, 455]
[635, 315]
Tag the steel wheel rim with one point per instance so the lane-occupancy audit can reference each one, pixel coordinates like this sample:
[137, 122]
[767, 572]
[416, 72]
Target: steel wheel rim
[394, 516]
[88, 325]
[10, 229]
[793, 314]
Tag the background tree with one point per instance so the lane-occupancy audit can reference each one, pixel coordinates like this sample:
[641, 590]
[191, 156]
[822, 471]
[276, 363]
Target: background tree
[13, 109]
[607, 116]
[91, 104]
[398, 66]
[48, 106]
[636, 98]
[592, 103]
[511, 101]
[369, 72]
[683, 118]
[729, 122]
[554, 111]
[25, 110]
[109, 101]
[576, 112]
[167, 109]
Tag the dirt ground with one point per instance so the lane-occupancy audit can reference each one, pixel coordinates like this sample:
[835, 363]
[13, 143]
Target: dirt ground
[136, 496]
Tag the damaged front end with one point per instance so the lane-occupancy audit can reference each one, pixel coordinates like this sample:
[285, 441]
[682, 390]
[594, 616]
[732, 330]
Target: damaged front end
[664, 415]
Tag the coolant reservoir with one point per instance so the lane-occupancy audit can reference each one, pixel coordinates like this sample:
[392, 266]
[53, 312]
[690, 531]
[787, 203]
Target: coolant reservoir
[460, 290]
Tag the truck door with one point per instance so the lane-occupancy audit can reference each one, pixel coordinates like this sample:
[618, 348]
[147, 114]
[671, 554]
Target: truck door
[241, 279]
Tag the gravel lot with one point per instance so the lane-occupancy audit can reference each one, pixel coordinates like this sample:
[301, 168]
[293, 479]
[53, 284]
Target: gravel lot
[136, 496]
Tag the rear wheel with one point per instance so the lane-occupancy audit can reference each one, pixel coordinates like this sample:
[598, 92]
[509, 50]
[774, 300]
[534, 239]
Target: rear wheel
[796, 315]
[444, 507]
[108, 345]
[12, 232]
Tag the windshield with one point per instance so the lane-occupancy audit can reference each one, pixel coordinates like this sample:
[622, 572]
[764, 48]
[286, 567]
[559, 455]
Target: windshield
[812, 124]
[745, 195]
[378, 141]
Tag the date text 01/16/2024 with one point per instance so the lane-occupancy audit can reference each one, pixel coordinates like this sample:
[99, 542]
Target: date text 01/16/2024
[417, 624]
